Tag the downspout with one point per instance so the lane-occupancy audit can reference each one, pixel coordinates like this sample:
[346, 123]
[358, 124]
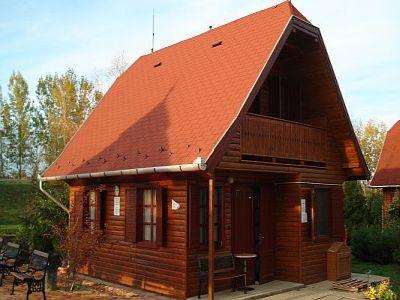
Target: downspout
[51, 197]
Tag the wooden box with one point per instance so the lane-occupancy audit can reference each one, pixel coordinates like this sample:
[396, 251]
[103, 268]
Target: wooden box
[338, 262]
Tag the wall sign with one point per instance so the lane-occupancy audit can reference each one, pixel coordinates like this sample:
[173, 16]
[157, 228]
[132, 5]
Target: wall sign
[117, 206]
[175, 205]
[304, 217]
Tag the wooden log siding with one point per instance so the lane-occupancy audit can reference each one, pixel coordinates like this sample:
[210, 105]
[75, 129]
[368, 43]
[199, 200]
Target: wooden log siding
[271, 137]
[161, 269]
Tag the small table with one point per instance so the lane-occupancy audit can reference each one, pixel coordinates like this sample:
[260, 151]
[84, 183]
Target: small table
[245, 257]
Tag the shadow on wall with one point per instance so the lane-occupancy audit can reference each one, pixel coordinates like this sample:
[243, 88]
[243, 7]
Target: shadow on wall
[152, 149]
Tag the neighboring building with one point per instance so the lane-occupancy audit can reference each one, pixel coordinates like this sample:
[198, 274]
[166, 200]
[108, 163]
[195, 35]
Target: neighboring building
[387, 175]
[251, 110]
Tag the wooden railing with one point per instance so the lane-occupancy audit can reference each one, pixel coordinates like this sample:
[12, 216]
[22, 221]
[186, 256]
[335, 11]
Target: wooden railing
[275, 138]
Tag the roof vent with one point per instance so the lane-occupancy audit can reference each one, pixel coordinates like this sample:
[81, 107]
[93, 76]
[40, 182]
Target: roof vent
[217, 44]
[157, 65]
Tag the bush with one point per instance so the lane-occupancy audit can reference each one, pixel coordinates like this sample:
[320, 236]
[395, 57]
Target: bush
[373, 244]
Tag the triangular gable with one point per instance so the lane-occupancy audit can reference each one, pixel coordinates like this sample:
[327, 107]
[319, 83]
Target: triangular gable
[343, 131]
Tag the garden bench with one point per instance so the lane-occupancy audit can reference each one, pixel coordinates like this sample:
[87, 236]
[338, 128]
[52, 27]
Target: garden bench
[8, 260]
[224, 269]
[33, 274]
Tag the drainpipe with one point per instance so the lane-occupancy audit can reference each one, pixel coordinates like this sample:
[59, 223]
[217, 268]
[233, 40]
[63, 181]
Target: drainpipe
[51, 197]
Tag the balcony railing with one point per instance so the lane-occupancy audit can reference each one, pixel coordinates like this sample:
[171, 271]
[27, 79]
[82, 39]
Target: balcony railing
[264, 136]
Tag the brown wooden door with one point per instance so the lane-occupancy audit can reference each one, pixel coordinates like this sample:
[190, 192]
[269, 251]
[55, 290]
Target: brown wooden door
[264, 235]
[243, 226]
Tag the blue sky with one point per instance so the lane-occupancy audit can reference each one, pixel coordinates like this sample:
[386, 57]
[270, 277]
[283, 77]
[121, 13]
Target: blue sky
[39, 37]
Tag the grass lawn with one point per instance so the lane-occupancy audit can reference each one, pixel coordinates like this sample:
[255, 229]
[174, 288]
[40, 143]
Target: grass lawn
[13, 198]
[389, 270]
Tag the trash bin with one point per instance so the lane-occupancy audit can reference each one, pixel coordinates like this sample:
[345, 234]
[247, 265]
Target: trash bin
[338, 262]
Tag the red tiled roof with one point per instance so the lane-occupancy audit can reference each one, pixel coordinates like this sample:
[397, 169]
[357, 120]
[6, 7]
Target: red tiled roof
[388, 170]
[177, 111]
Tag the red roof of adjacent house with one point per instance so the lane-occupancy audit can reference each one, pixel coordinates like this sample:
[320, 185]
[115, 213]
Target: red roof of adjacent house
[175, 104]
[388, 170]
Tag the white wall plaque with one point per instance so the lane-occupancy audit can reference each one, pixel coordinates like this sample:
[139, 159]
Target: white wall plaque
[175, 205]
[117, 206]
[304, 217]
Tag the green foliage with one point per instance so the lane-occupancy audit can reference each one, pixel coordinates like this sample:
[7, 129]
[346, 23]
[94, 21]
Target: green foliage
[373, 244]
[65, 101]
[17, 123]
[371, 136]
[362, 206]
[40, 216]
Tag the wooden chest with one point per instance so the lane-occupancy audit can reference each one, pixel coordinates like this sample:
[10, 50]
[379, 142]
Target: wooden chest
[338, 262]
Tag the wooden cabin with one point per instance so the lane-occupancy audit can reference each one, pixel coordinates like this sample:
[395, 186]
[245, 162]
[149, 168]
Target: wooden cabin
[236, 140]
[387, 175]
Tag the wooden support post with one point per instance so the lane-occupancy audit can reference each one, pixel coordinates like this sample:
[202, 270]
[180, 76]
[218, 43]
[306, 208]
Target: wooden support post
[211, 238]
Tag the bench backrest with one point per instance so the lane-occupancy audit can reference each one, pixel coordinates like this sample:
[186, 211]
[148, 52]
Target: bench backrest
[39, 260]
[11, 251]
[221, 263]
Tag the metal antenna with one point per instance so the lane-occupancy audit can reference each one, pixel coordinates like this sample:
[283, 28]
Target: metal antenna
[152, 43]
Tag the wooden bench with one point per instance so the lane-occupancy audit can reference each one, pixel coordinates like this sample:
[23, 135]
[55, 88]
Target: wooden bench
[8, 260]
[33, 274]
[224, 269]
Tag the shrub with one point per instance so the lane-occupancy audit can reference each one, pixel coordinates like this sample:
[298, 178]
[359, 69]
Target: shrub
[373, 244]
[381, 291]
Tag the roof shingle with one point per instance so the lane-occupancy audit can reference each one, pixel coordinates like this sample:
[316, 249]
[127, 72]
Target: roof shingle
[388, 170]
[179, 110]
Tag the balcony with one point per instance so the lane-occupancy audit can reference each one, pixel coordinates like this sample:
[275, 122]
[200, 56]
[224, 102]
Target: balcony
[264, 138]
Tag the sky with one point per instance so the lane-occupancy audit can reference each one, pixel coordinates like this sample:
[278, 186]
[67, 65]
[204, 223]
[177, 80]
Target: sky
[41, 37]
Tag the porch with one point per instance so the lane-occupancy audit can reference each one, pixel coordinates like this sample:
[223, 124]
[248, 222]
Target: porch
[280, 290]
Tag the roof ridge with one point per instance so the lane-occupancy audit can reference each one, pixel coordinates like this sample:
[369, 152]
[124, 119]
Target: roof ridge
[293, 11]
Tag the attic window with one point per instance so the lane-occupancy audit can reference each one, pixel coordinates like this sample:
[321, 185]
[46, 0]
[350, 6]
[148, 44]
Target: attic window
[217, 44]
[157, 65]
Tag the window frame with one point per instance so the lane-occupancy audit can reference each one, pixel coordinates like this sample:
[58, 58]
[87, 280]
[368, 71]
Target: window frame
[152, 223]
[314, 215]
[220, 210]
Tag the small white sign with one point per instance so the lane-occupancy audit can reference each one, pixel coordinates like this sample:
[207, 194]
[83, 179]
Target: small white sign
[304, 217]
[175, 205]
[117, 206]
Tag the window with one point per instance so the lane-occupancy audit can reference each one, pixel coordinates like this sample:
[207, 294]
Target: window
[322, 212]
[92, 211]
[203, 209]
[144, 215]
[149, 215]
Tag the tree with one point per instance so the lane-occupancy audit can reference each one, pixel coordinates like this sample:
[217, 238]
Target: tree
[17, 116]
[371, 136]
[118, 66]
[2, 157]
[65, 101]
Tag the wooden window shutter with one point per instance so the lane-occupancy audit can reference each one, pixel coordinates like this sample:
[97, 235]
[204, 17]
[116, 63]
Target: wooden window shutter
[337, 212]
[131, 213]
[98, 206]
[194, 216]
[161, 215]
[78, 210]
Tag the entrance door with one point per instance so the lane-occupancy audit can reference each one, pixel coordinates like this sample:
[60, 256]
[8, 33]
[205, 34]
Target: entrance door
[252, 221]
[243, 226]
[265, 238]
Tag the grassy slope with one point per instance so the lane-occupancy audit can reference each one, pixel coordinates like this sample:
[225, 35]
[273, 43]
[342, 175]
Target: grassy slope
[13, 198]
[390, 270]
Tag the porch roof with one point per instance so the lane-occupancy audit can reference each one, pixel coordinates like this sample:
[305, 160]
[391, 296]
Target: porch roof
[176, 104]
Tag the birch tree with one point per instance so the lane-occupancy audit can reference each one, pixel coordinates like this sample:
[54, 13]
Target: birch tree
[18, 125]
